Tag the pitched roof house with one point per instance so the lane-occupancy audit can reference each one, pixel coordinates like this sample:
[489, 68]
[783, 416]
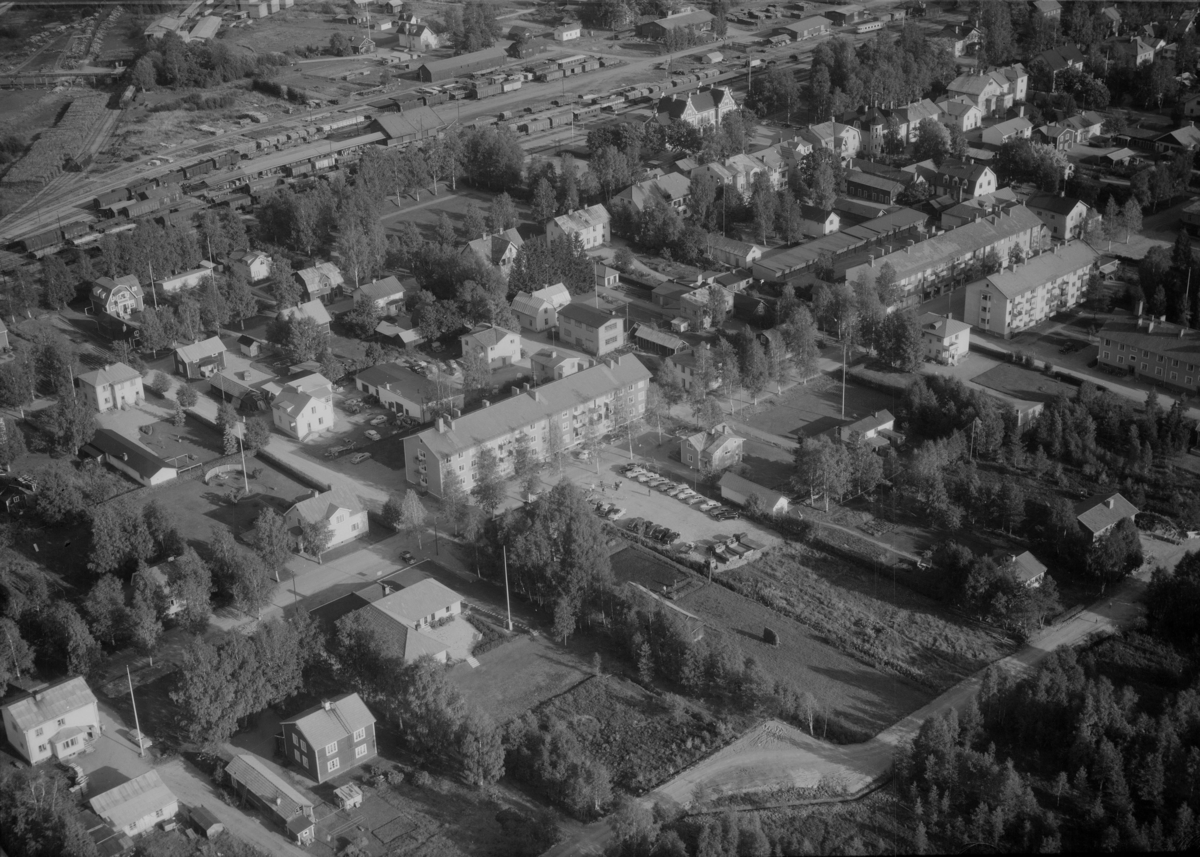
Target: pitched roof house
[715, 449]
[121, 297]
[403, 391]
[739, 490]
[112, 386]
[252, 778]
[199, 360]
[138, 462]
[1027, 569]
[592, 225]
[322, 282]
[387, 294]
[1098, 515]
[498, 250]
[498, 346]
[304, 406]
[705, 106]
[58, 720]
[331, 737]
[538, 310]
[408, 616]
[339, 508]
[869, 429]
[137, 805]
[313, 309]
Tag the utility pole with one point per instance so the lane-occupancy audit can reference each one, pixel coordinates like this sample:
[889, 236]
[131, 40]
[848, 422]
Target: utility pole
[136, 725]
[507, 602]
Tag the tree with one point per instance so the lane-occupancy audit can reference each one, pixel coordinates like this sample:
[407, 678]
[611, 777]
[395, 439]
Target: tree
[544, 204]
[823, 193]
[412, 515]
[900, 341]
[477, 373]
[145, 627]
[527, 465]
[474, 224]
[191, 583]
[58, 283]
[339, 45]
[108, 618]
[239, 299]
[40, 817]
[12, 444]
[315, 537]
[66, 641]
[362, 320]
[186, 395]
[257, 433]
[822, 467]
[503, 213]
[16, 655]
[481, 749]
[933, 141]
[489, 486]
[1131, 218]
[753, 363]
[272, 541]
[300, 339]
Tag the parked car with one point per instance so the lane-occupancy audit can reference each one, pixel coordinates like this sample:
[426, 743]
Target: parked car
[669, 537]
[406, 556]
[727, 515]
[359, 457]
[709, 505]
[615, 513]
[656, 482]
[695, 500]
[352, 406]
[645, 477]
[604, 508]
[666, 485]
[716, 510]
[371, 434]
[634, 523]
[655, 531]
[379, 420]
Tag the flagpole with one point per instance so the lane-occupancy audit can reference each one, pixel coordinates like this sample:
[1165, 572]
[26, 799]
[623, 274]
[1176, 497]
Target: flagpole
[136, 725]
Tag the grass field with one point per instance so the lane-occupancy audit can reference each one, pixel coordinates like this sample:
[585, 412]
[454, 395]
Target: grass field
[805, 411]
[632, 732]
[887, 626]
[1022, 383]
[517, 676]
[862, 699]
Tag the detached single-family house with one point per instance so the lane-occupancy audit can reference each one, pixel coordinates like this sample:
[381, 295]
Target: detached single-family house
[960, 179]
[1025, 567]
[960, 113]
[252, 779]
[255, 264]
[121, 297]
[1010, 129]
[682, 367]
[409, 617]
[200, 359]
[137, 805]
[944, 340]
[739, 490]
[331, 738]
[567, 33]
[56, 721]
[313, 309]
[1062, 58]
[322, 282]
[592, 225]
[729, 251]
[387, 294]
[590, 329]
[694, 305]
[539, 310]
[1064, 216]
[1098, 515]
[422, 37]
[187, 279]
[705, 106]
[715, 449]
[139, 463]
[869, 430]
[498, 250]
[403, 391]
[499, 347]
[339, 508]
[550, 364]
[818, 222]
[1133, 50]
[113, 386]
[304, 406]
[876, 188]
[160, 575]
[604, 276]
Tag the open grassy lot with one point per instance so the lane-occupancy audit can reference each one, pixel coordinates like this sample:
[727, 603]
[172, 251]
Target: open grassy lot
[517, 676]
[633, 733]
[886, 626]
[805, 411]
[860, 699]
[1022, 383]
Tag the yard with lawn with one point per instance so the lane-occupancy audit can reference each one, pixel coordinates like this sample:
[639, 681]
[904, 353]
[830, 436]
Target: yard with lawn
[809, 410]
[1022, 383]
[517, 676]
[879, 623]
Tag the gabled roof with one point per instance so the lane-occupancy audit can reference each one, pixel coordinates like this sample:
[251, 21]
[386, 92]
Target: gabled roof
[744, 486]
[1043, 268]
[332, 720]
[410, 644]
[198, 351]
[115, 373]
[326, 504]
[116, 446]
[685, 19]
[421, 121]
[405, 383]
[878, 182]
[1188, 136]
[324, 275]
[871, 422]
[526, 304]
[1012, 126]
[586, 315]
[133, 800]
[659, 337]
[962, 171]
[270, 788]
[941, 326]
[956, 106]
[557, 294]
[492, 248]
[702, 101]
[50, 703]
[381, 289]
[1103, 510]
[1026, 567]
[487, 335]
[583, 218]
[972, 84]
[1054, 203]
[313, 309]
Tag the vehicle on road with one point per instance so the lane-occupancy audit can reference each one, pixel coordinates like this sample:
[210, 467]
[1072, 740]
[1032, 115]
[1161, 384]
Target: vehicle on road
[406, 556]
[359, 457]
[371, 434]
[335, 451]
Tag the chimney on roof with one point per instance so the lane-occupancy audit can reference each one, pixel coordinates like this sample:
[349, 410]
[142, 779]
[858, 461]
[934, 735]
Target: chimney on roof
[441, 426]
[514, 391]
[485, 403]
[1140, 305]
[1150, 325]
[533, 394]
[327, 705]
[1110, 502]
[908, 246]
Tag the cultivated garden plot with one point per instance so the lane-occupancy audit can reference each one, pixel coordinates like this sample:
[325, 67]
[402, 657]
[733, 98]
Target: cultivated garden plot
[886, 626]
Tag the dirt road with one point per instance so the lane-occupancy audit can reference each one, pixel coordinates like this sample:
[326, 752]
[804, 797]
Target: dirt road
[775, 755]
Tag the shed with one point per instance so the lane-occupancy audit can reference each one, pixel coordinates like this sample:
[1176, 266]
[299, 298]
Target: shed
[204, 821]
[739, 490]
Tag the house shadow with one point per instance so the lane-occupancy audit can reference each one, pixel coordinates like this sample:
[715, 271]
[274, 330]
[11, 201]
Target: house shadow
[103, 779]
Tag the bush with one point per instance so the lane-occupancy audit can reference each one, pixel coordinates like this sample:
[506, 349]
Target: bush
[160, 384]
[395, 778]
[422, 779]
[1048, 369]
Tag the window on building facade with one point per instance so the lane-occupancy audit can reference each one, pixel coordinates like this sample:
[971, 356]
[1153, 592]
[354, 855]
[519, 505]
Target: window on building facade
[334, 764]
[331, 749]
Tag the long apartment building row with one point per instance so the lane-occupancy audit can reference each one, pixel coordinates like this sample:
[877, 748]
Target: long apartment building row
[923, 266]
[1028, 293]
[586, 403]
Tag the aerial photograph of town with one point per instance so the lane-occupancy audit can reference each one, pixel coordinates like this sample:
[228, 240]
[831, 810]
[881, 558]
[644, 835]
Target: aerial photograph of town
[621, 428]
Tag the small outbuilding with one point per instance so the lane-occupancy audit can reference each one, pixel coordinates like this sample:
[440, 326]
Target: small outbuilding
[737, 489]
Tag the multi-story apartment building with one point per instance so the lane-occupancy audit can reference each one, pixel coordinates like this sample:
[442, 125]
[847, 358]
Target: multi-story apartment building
[1011, 301]
[923, 267]
[586, 404]
[1152, 349]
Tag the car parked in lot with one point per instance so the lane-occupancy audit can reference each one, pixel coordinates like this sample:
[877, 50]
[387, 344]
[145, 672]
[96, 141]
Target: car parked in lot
[604, 508]
[615, 513]
[694, 500]
[667, 485]
[727, 515]
[709, 505]
[656, 482]
[379, 420]
[359, 457]
[371, 434]
[716, 510]
[643, 478]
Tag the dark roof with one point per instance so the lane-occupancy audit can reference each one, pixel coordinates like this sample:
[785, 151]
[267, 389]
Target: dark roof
[586, 315]
[1103, 510]
[1052, 202]
[961, 170]
[813, 212]
[117, 446]
[876, 181]
[404, 382]
[702, 100]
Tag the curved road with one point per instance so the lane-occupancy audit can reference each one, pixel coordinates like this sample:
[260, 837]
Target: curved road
[775, 755]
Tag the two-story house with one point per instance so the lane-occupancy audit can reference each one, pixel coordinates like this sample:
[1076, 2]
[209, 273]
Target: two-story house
[112, 386]
[682, 368]
[200, 359]
[121, 297]
[590, 328]
[592, 225]
[944, 340]
[499, 347]
[707, 106]
[550, 364]
[1098, 515]
[322, 282]
[694, 305]
[961, 179]
[843, 140]
[304, 406]
[331, 738]
[405, 618]
[255, 265]
[1064, 216]
[387, 294]
[538, 310]
[997, 135]
[960, 114]
[57, 721]
[498, 250]
[715, 449]
[346, 517]
[313, 309]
